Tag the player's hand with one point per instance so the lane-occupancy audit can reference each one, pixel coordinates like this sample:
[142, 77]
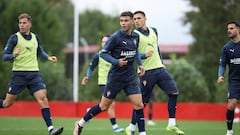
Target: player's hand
[85, 80]
[149, 53]
[16, 52]
[52, 59]
[122, 62]
[220, 79]
[142, 70]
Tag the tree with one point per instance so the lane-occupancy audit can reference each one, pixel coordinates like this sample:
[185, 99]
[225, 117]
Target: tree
[94, 24]
[208, 21]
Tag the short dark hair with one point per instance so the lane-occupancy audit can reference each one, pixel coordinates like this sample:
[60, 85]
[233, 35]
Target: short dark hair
[105, 35]
[235, 22]
[127, 13]
[139, 12]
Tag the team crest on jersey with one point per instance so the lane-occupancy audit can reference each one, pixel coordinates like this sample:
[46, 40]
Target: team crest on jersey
[108, 93]
[144, 83]
[9, 89]
[135, 41]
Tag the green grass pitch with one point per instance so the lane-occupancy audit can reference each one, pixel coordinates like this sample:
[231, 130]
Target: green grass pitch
[36, 126]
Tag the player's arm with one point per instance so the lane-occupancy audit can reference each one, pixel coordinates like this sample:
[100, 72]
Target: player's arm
[222, 66]
[8, 54]
[92, 65]
[139, 63]
[105, 52]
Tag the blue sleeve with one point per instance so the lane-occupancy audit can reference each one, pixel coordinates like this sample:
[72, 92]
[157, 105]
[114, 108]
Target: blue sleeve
[160, 54]
[105, 52]
[222, 63]
[40, 52]
[92, 65]
[8, 51]
[138, 59]
[142, 55]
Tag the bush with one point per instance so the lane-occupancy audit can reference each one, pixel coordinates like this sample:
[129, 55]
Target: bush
[190, 81]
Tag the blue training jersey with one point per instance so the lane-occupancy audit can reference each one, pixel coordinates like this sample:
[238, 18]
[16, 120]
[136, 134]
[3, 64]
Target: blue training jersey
[121, 45]
[230, 56]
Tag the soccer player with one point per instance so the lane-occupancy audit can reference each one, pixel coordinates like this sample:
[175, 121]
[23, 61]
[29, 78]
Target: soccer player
[22, 49]
[231, 56]
[155, 72]
[103, 69]
[121, 51]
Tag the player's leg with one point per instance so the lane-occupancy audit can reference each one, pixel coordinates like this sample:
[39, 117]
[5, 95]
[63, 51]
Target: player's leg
[111, 113]
[37, 88]
[8, 101]
[42, 100]
[112, 117]
[13, 89]
[93, 111]
[147, 83]
[138, 106]
[150, 110]
[232, 103]
[168, 85]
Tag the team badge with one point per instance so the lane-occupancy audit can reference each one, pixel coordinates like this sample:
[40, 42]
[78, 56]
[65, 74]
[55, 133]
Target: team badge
[9, 89]
[108, 93]
[135, 41]
[144, 83]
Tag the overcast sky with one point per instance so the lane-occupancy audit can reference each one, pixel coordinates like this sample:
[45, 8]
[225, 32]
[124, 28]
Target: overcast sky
[164, 15]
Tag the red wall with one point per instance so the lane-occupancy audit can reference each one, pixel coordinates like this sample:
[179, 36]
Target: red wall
[185, 111]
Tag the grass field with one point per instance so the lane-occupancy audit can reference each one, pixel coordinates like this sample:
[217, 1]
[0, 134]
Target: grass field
[36, 126]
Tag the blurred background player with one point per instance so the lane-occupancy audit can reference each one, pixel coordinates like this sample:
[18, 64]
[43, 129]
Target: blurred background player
[103, 69]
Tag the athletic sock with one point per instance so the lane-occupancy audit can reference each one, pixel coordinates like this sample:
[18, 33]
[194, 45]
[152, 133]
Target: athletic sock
[172, 103]
[230, 117]
[133, 120]
[92, 112]
[113, 121]
[140, 120]
[47, 117]
[149, 116]
[1, 103]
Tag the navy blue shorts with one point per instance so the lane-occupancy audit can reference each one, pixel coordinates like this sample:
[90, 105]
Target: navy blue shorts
[158, 77]
[102, 87]
[234, 89]
[20, 80]
[114, 87]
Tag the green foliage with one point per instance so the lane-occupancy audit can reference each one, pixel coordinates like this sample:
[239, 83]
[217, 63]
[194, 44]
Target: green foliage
[97, 24]
[58, 86]
[208, 21]
[190, 81]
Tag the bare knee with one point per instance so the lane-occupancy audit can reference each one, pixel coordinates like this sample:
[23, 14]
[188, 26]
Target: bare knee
[7, 104]
[138, 106]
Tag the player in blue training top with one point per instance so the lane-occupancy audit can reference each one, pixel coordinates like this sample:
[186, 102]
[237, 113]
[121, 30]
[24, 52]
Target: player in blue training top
[103, 69]
[156, 74]
[22, 49]
[231, 56]
[121, 51]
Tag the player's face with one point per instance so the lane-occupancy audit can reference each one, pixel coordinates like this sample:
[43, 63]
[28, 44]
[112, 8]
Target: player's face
[139, 20]
[126, 23]
[24, 25]
[104, 40]
[232, 31]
